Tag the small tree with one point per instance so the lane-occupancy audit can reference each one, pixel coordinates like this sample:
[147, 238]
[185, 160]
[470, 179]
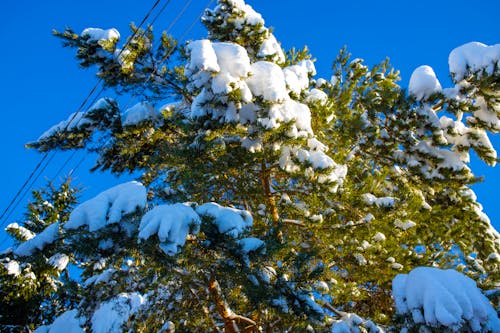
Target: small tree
[270, 200]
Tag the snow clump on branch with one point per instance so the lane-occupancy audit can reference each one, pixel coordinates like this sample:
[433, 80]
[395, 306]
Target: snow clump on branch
[443, 298]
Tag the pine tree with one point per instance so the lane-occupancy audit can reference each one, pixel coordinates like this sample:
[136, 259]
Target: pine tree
[268, 200]
[36, 285]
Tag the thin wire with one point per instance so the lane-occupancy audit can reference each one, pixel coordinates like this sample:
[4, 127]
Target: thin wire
[87, 153]
[181, 12]
[186, 31]
[24, 192]
[209, 3]
[17, 197]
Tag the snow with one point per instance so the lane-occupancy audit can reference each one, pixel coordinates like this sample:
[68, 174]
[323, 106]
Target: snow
[286, 112]
[26, 234]
[13, 268]
[232, 59]
[75, 121]
[249, 15]
[379, 237]
[201, 57]
[47, 236]
[473, 57]
[268, 81]
[111, 315]
[443, 298]
[250, 244]
[486, 115]
[172, 224]
[404, 225]
[101, 103]
[270, 48]
[423, 82]
[297, 76]
[139, 113]
[68, 322]
[230, 221]
[59, 261]
[97, 34]
[103, 277]
[108, 207]
[350, 323]
[316, 96]
[252, 145]
[370, 199]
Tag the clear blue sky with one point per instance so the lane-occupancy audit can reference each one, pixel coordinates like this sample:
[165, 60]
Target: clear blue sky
[41, 83]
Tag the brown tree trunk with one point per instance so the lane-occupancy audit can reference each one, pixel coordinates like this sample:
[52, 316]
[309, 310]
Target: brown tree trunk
[265, 179]
[231, 320]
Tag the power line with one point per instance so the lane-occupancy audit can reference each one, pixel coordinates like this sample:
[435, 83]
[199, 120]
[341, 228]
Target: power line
[131, 38]
[25, 186]
[32, 178]
[170, 26]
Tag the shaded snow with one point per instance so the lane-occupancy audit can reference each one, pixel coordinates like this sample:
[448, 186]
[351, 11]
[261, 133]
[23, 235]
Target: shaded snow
[59, 261]
[108, 207]
[250, 244]
[75, 120]
[68, 322]
[171, 223]
[47, 236]
[228, 220]
[111, 315]
[443, 297]
[103, 277]
[139, 113]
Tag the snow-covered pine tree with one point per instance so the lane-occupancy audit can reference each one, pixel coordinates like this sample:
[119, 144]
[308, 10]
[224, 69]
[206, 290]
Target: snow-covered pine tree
[272, 201]
[36, 286]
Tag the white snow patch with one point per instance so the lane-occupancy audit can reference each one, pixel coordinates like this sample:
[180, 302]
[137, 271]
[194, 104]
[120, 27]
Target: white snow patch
[103, 277]
[268, 81]
[75, 121]
[316, 96]
[250, 244]
[68, 322]
[47, 236]
[138, 113]
[370, 199]
[443, 298]
[271, 48]
[423, 82]
[59, 261]
[111, 315]
[473, 57]
[232, 58]
[404, 225]
[97, 34]
[379, 237]
[13, 268]
[26, 234]
[172, 224]
[201, 57]
[228, 220]
[108, 207]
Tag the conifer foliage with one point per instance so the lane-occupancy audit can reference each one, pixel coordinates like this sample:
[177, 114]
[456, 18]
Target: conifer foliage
[269, 200]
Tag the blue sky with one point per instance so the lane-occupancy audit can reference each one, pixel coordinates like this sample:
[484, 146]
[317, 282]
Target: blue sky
[42, 84]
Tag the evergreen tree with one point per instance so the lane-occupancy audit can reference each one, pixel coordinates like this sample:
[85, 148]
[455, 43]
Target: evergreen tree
[268, 200]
